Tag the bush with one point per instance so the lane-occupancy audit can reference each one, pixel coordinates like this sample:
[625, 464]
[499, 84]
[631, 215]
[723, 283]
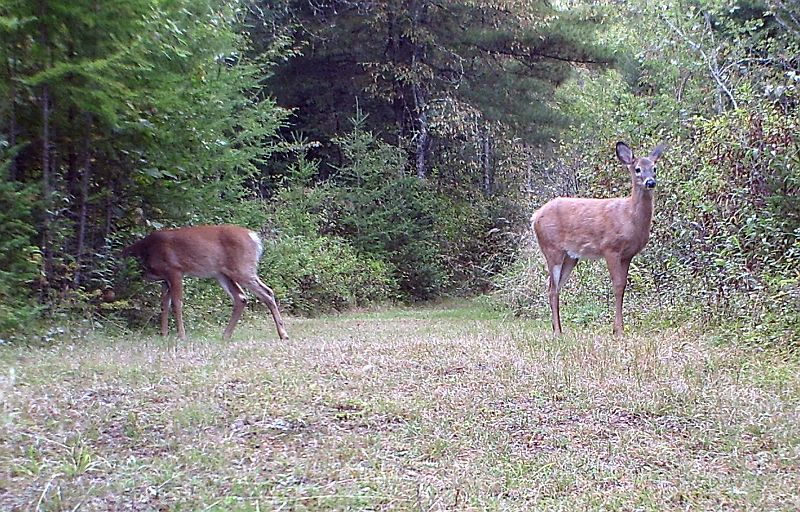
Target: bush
[480, 239]
[373, 208]
[20, 259]
[734, 222]
[725, 244]
[324, 274]
[386, 213]
[418, 241]
[311, 269]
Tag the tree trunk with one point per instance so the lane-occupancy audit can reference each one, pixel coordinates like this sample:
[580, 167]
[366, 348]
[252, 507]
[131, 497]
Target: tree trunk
[84, 198]
[420, 102]
[47, 186]
[486, 161]
[111, 192]
[12, 120]
[73, 161]
[47, 177]
[423, 138]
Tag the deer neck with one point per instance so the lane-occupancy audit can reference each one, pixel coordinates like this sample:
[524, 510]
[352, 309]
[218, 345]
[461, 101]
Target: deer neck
[642, 205]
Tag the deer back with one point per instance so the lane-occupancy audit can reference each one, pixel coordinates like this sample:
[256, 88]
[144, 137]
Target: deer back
[199, 251]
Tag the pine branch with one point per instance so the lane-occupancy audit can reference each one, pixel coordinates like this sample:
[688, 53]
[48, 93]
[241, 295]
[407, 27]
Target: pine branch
[527, 57]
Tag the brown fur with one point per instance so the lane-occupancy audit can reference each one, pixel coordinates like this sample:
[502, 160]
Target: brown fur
[227, 253]
[569, 229]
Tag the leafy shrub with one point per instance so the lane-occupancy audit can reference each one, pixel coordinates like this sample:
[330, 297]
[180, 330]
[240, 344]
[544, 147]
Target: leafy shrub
[310, 267]
[373, 206]
[480, 239]
[20, 259]
[739, 199]
[384, 212]
[324, 274]
[725, 243]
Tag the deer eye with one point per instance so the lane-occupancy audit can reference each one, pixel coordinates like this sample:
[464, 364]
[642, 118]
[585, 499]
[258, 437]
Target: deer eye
[638, 170]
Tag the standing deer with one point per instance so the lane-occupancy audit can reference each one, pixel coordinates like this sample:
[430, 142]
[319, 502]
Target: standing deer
[569, 229]
[227, 253]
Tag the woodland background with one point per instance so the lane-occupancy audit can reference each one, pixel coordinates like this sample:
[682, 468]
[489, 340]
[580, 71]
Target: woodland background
[393, 151]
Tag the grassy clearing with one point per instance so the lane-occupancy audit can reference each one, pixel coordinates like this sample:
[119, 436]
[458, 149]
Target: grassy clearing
[426, 409]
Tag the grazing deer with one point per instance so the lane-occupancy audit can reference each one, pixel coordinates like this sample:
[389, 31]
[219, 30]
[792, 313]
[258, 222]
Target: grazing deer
[227, 253]
[569, 229]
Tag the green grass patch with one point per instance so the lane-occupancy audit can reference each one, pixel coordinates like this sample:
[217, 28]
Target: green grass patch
[451, 406]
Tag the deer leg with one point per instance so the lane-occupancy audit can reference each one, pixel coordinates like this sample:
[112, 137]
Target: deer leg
[267, 296]
[566, 269]
[619, 278]
[239, 301]
[175, 282]
[555, 264]
[166, 303]
[552, 291]
[560, 268]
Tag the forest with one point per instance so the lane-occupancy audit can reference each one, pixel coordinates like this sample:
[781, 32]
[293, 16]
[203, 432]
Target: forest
[390, 155]
[393, 151]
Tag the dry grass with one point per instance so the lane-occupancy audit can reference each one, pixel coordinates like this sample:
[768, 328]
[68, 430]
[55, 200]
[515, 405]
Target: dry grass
[432, 409]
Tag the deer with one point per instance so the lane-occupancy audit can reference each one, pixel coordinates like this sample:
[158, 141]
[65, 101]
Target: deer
[228, 253]
[569, 229]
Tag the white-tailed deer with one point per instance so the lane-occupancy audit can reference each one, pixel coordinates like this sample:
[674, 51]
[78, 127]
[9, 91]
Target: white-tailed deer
[227, 253]
[569, 229]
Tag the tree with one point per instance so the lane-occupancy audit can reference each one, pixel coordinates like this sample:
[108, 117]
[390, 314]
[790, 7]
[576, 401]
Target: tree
[438, 78]
[135, 113]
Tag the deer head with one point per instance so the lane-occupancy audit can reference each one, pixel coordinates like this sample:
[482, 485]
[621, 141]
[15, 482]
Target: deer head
[642, 169]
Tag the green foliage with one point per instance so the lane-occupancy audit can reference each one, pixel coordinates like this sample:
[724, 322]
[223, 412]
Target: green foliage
[480, 239]
[388, 214]
[741, 198]
[207, 128]
[431, 75]
[428, 242]
[311, 269]
[312, 275]
[20, 259]
[717, 87]
[154, 118]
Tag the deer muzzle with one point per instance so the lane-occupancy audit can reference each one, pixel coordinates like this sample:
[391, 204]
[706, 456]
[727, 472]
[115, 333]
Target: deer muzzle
[650, 183]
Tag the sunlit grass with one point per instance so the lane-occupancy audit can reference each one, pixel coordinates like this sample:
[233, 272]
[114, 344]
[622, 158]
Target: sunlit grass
[450, 406]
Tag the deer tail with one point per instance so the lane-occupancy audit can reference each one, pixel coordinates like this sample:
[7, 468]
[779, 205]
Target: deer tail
[259, 245]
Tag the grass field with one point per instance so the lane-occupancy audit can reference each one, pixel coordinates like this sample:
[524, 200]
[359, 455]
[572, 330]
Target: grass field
[447, 408]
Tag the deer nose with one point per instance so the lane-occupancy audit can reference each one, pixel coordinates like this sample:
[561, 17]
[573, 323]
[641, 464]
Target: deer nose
[650, 183]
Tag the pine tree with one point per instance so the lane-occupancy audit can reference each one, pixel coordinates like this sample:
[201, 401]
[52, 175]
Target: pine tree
[129, 114]
[438, 78]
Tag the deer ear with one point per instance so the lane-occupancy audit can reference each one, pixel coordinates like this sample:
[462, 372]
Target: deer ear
[657, 152]
[624, 153]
